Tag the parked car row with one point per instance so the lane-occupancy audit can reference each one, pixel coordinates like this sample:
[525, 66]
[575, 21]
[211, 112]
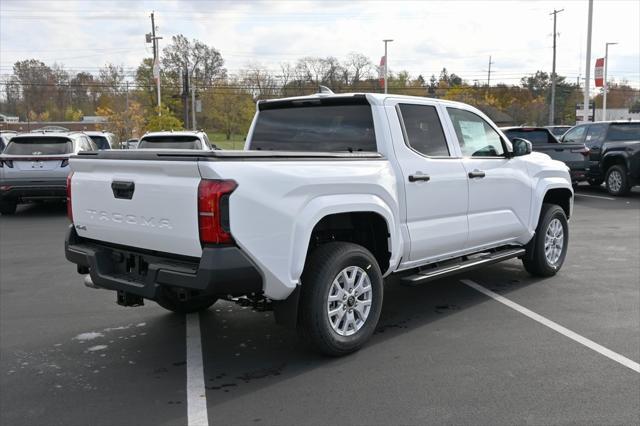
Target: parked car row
[597, 152]
[34, 166]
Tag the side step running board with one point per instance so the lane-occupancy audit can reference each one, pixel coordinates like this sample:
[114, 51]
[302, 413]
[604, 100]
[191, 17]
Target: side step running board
[469, 262]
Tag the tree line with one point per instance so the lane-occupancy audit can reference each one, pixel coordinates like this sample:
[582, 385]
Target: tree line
[40, 92]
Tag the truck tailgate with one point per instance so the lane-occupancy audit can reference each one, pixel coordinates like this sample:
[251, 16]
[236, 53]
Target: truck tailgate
[146, 204]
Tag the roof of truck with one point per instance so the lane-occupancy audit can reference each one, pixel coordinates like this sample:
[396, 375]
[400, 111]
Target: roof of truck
[373, 98]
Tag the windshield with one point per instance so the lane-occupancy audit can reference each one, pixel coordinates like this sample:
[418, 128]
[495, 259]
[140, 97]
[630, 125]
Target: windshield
[315, 128]
[169, 142]
[624, 132]
[536, 137]
[38, 145]
[101, 141]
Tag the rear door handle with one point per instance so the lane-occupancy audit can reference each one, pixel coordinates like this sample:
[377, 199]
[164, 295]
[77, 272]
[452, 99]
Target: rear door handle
[419, 177]
[476, 174]
[123, 190]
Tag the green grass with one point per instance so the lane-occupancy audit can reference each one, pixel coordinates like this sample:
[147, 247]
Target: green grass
[220, 139]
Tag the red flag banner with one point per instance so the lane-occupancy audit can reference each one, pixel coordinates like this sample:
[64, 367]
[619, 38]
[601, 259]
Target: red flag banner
[599, 73]
[383, 60]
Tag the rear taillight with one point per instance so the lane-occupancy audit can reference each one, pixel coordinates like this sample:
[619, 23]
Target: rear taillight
[69, 208]
[584, 151]
[213, 210]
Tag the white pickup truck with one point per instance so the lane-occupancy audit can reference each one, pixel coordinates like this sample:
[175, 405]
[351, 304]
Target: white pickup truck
[331, 194]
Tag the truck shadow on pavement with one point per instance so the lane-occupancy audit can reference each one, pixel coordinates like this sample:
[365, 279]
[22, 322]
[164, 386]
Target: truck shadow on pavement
[40, 209]
[245, 351]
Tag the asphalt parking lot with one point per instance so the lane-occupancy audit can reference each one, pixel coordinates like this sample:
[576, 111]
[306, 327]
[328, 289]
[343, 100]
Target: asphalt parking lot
[444, 353]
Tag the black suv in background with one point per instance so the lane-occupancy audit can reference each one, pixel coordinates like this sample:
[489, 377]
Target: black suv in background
[614, 153]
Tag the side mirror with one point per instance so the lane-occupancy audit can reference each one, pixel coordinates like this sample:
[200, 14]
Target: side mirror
[521, 147]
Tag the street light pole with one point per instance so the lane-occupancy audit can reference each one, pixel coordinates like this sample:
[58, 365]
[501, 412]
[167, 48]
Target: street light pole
[604, 84]
[386, 63]
[587, 80]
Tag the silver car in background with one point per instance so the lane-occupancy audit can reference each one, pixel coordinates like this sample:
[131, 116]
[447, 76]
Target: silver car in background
[34, 166]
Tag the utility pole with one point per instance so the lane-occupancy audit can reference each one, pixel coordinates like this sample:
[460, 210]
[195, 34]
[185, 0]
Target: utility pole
[127, 84]
[489, 75]
[193, 103]
[587, 80]
[185, 94]
[552, 108]
[151, 38]
[386, 64]
[604, 84]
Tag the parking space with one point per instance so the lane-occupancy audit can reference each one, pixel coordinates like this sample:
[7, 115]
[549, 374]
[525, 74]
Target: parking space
[443, 352]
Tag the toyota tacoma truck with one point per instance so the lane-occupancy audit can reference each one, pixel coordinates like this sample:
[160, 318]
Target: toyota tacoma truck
[332, 194]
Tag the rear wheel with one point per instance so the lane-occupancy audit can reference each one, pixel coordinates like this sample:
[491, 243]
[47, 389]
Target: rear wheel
[341, 298]
[8, 207]
[180, 301]
[617, 181]
[546, 252]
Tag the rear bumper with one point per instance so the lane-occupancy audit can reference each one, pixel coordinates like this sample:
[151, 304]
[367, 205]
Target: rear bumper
[220, 271]
[36, 189]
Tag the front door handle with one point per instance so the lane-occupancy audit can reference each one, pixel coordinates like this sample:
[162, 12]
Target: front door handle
[476, 174]
[421, 177]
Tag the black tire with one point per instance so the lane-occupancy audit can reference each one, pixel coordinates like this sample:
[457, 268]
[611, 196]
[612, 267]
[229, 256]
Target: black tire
[8, 207]
[322, 268]
[617, 181]
[168, 298]
[595, 182]
[535, 261]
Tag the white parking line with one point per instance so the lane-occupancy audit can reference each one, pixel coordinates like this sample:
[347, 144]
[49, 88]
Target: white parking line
[196, 393]
[557, 327]
[595, 196]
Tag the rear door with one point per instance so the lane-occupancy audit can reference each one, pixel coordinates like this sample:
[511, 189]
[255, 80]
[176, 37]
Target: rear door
[139, 203]
[435, 183]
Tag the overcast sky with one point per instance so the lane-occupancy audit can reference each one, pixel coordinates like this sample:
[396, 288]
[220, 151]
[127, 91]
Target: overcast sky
[428, 35]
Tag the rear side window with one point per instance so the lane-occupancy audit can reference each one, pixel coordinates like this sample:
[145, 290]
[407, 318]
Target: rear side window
[169, 142]
[318, 128]
[38, 145]
[423, 131]
[624, 132]
[536, 137]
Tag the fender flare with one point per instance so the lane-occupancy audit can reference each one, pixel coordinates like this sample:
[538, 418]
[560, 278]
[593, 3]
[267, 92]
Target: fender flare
[323, 206]
[543, 186]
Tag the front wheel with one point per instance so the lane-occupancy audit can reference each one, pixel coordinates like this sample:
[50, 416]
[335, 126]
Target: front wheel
[545, 254]
[174, 301]
[341, 298]
[617, 182]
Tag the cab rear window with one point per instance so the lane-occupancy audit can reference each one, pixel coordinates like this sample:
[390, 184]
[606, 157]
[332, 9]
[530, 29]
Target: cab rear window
[38, 145]
[536, 137]
[169, 142]
[316, 127]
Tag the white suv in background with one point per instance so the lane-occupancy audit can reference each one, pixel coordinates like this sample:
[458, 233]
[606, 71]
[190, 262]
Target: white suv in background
[183, 139]
[34, 166]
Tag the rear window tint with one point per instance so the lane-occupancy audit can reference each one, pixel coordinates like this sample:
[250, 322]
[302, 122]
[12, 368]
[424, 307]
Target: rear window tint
[38, 145]
[169, 142]
[624, 132]
[318, 128]
[536, 137]
[101, 142]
